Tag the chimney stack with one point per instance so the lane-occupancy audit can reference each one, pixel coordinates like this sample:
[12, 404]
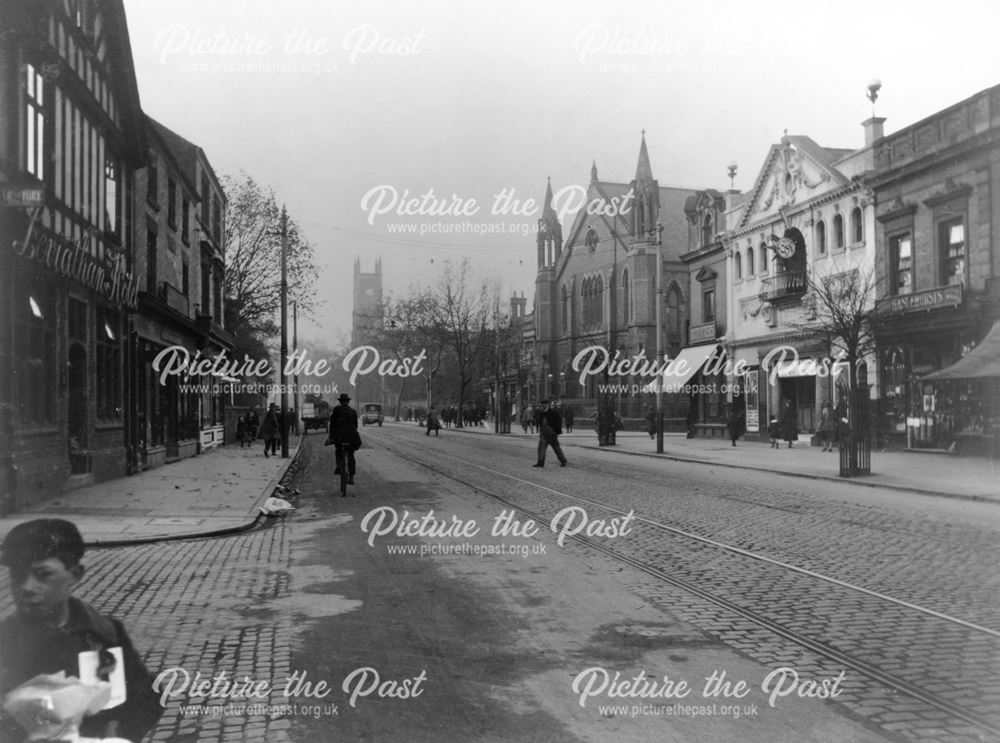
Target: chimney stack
[873, 129]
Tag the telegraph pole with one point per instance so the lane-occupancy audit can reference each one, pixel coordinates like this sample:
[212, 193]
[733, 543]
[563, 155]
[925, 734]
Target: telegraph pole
[296, 407]
[284, 333]
[659, 337]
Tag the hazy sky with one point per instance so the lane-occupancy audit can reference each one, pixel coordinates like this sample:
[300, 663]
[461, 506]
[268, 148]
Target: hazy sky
[333, 102]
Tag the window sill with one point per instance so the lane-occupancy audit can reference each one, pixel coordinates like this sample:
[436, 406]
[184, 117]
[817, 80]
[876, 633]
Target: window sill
[854, 246]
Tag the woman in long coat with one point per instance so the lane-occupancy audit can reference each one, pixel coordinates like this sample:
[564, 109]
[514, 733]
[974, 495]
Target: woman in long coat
[789, 423]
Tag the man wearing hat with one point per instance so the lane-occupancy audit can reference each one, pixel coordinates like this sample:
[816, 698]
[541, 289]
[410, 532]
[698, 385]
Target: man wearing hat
[53, 631]
[344, 430]
[549, 428]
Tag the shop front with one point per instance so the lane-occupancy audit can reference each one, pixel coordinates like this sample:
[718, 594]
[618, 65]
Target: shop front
[961, 402]
[927, 401]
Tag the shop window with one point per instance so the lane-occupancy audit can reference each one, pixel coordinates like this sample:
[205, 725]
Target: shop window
[750, 266]
[821, 238]
[901, 261]
[857, 226]
[35, 354]
[838, 231]
[951, 241]
[35, 124]
[109, 365]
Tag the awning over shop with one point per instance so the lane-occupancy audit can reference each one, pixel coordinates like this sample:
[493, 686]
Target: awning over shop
[685, 365]
[982, 362]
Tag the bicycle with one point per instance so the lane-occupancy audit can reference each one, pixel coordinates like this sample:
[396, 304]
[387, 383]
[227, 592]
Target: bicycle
[341, 451]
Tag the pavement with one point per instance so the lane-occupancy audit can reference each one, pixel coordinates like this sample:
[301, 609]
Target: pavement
[972, 478]
[220, 491]
[217, 492]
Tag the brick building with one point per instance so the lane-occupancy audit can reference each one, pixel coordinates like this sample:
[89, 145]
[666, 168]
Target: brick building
[937, 185]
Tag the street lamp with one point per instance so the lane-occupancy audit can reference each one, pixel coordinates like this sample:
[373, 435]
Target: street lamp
[659, 336]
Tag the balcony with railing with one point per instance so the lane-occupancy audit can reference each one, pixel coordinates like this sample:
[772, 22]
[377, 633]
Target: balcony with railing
[784, 287]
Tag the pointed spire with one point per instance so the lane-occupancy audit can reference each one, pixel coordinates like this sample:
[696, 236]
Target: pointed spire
[643, 171]
[593, 172]
[547, 209]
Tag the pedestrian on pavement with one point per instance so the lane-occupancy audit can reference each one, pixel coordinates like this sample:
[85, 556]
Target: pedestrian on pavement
[269, 429]
[827, 426]
[651, 422]
[735, 424]
[343, 429]
[789, 423]
[433, 424]
[242, 435]
[53, 631]
[774, 431]
[253, 424]
[568, 416]
[549, 429]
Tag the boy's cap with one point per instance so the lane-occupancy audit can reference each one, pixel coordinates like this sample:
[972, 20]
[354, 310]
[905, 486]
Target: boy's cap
[41, 539]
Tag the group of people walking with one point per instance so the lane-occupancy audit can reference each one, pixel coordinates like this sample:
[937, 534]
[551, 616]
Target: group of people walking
[249, 428]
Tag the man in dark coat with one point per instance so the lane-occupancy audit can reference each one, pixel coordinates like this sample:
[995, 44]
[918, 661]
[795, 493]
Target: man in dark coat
[344, 430]
[789, 423]
[51, 630]
[549, 429]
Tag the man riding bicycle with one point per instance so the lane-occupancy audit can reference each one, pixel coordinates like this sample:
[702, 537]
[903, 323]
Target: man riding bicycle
[343, 433]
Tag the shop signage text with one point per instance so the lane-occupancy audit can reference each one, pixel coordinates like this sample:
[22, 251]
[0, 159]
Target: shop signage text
[947, 296]
[73, 260]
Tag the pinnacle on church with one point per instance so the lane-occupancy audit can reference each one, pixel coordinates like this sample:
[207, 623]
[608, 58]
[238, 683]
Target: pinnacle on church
[547, 209]
[643, 171]
[593, 172]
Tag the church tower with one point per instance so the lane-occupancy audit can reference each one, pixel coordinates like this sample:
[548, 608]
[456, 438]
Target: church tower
[549, 241]
[367, 315]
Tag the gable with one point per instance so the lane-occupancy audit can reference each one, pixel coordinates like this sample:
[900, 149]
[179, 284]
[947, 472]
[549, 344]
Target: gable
[795, 171]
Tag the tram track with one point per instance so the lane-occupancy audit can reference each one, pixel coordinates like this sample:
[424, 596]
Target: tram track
[825, 645]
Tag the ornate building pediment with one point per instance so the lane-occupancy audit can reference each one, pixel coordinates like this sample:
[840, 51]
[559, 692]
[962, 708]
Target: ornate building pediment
[796, 171]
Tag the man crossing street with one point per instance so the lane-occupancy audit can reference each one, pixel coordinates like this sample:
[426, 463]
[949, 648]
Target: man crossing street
[549, 430]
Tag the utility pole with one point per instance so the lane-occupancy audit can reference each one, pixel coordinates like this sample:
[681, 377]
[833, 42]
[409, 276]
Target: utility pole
[284, 333]
[659, 337]
[296, 407]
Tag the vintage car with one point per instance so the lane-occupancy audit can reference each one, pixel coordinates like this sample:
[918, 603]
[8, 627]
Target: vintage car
[371, 412]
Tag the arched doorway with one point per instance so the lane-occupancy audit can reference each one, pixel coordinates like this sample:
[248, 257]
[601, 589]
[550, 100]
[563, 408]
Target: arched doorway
[79, 404]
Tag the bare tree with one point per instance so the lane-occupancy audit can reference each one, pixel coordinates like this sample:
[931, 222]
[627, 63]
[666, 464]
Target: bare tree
[461, 322]
[846, 316]
[253, 259]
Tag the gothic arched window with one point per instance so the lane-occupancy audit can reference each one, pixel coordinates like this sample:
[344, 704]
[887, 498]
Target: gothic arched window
[750, 266]
[565, 310]
[857, 226]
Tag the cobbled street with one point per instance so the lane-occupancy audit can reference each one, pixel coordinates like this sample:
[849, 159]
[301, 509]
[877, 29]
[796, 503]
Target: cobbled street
[361, 636]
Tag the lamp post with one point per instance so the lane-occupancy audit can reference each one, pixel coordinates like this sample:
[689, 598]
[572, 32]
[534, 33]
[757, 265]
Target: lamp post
[284, 333]
[659, 336]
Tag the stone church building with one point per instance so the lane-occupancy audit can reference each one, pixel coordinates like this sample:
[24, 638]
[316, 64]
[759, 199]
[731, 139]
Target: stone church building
[596, 284]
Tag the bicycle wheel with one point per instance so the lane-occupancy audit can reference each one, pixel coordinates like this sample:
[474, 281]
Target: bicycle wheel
[344, 475]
